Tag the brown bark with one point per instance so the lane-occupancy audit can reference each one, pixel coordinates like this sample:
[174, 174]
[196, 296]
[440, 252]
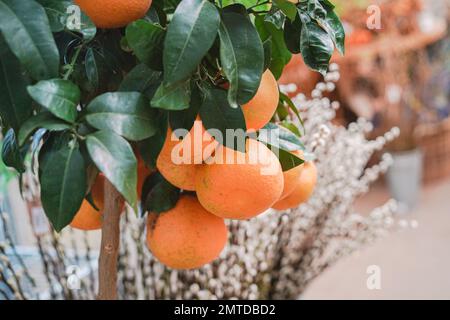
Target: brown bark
[109, 252]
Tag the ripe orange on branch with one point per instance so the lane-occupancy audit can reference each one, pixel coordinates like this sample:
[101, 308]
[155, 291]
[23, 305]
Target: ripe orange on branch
[240, 185]
[291, 177]
[88, 218]
[261, 108]
[178, 159]
[114, 13]
[187, 236]
[303, 189]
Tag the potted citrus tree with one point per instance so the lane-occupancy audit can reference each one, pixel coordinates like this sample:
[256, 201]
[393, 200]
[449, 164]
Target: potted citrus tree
[95, 91]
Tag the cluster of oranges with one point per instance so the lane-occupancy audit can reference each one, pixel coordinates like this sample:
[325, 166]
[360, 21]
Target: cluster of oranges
[240, 186]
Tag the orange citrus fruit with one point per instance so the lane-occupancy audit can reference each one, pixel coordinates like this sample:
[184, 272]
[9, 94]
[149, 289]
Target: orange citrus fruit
[187, 236]
[239, 185]
[302, 191]
[87, 218]
[178, 159]
[261, 108]
[291, 177]
[114, 13]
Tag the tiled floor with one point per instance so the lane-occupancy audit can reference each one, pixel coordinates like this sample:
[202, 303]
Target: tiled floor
[414, 263]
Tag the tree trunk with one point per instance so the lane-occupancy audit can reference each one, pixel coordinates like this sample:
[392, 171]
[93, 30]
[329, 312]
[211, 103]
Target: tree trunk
[109, 252]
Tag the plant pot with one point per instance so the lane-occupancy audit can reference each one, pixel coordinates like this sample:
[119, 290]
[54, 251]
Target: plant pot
[405, 178]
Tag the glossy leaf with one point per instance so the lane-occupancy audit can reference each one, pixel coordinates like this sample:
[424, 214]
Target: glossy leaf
[241, 55]
[147, 41]
[267, 45]
[142, 79]
[280, 53]
[58, 96]
[160, 195]
[217, 114]
[292, 34]
[336, 28]
[26, 29]
[42, 120]
[288, 8]
[284, 99]
[56, 12]
[246, 4]
[92, 68]
[11, 154]
[63, 182]
[287, 159]
[184, 119]
[276, 17]
[190, 35]
[280, 137]
[114, 156]
[15, 103]
[173, 97]
[126, 113]
[151, 147]
[291, 127]
[316, 45]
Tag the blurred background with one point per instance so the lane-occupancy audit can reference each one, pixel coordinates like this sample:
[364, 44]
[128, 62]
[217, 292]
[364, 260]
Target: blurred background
[395, 73]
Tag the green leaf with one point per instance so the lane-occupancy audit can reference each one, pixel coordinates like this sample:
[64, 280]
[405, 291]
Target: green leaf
[291, 127]
[287, 7]
[92, 68]
[280, 138]
[284, 99]
[184, 119]
[190, 35]
[63, 181]
[336, 29]
[42, 120]
[276, 17]
[217, 114]
[26, 29]
[114, 156]
[267, 45]
[126, 113]
[151, 147]
[280, 53]
[282, 111]
[15, 103]
[173, 97]
[58, 96]
[245, 4]
[147, 41]
[142, 79]
[292, 34]
[160, 195]
[316, 45]
[287, 159]
[242, 57]
[56, 12]
[316, 10]
[11, 154]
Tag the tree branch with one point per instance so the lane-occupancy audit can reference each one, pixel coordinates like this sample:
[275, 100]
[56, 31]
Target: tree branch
[109, 252]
